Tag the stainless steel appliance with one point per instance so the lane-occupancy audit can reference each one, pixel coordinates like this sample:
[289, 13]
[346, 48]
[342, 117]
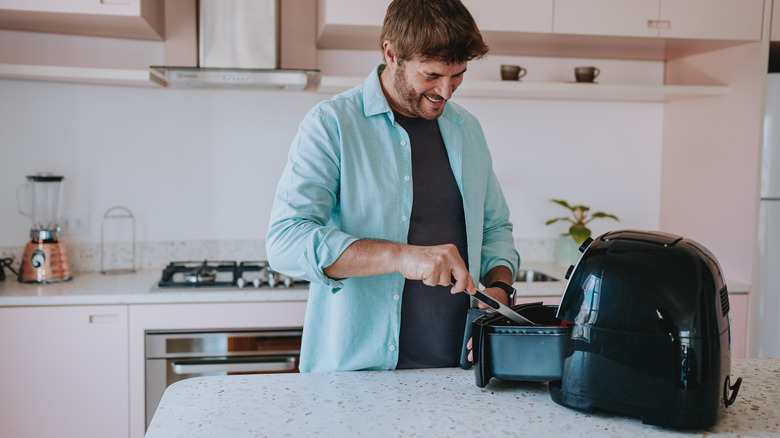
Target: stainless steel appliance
[238, 47]
[177, 355]
[45, 259]
[225, 274]
[765, 298]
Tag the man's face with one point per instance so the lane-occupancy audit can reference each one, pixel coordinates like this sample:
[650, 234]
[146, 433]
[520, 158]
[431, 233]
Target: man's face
[421, 88]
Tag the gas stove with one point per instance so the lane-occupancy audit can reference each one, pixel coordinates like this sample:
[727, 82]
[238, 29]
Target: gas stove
[225, 274]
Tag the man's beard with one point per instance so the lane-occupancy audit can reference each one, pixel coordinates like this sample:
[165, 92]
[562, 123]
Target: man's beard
[411, 100]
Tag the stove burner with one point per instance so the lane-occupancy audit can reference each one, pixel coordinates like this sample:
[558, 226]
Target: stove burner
[225, 274]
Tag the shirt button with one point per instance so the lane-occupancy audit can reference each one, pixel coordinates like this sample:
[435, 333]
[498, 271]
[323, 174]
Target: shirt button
[396, 297]
[403, 142]
[406, 178]
[404, 218]
[392, 348]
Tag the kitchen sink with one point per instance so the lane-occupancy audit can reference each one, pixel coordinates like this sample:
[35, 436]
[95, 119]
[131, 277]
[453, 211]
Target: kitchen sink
[530, 275]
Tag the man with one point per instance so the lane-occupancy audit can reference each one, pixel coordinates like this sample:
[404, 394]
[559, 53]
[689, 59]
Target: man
[389, 205]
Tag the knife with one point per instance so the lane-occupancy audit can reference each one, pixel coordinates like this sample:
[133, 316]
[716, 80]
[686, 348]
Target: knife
[502, 309]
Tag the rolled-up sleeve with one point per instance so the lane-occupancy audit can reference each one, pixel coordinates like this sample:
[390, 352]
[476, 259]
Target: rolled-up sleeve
[498, 247]
[300, 241]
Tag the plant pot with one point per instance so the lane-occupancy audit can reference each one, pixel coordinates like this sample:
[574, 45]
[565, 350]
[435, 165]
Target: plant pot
[568, 251]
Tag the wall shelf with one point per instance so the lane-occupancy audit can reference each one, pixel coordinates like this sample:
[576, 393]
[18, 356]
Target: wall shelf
[555, 90]
[90, 75]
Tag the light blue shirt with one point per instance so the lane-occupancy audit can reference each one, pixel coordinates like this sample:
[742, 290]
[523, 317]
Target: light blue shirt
[349, 177]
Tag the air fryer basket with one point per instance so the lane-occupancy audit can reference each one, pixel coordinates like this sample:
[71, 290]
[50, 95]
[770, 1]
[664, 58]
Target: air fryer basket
[508, 351]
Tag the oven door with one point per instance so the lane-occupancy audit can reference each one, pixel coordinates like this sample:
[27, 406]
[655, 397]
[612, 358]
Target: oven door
[177, 355]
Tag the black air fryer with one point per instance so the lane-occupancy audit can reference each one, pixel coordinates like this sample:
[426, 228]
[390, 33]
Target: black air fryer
[650, 335]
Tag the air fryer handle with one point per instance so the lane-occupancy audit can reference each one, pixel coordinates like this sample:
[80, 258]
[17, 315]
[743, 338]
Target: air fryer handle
[728, 387]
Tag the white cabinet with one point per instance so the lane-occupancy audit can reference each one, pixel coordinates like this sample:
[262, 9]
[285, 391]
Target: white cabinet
[64, 371]
[692, 19]
[533, 16]
[196, 316]
[605, 17]
[142, 19]
[738, 314]
[712, 19]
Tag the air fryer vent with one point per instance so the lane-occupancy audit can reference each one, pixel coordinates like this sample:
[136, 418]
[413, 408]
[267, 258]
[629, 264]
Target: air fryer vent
[724, 301]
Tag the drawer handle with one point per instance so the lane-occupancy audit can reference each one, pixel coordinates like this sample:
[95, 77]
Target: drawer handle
[103, 319]
[226, 366]
[659, 24]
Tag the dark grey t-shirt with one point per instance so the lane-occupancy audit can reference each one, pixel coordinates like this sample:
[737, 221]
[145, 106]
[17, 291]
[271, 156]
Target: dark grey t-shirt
[432, 319]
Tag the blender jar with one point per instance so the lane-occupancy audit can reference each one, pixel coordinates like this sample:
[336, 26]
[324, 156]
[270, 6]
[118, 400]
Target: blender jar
[40, 200]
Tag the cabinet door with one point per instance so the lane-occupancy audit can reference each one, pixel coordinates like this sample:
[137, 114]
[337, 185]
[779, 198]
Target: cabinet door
[64, 371]
[713, 19]
[534, 16]
[116, 7]
[136, 19]
[606, 17]
[738, 314]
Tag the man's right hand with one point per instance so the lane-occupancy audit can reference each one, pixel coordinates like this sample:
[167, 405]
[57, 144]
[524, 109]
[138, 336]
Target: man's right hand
[436, 266]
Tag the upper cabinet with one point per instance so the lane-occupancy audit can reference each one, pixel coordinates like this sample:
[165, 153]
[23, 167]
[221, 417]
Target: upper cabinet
[606, 17]
[739, 20]
[533, 16]
[581, 28]
[138, 19]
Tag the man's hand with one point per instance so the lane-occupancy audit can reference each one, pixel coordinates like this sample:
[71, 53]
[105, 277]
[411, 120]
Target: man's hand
[436, 266]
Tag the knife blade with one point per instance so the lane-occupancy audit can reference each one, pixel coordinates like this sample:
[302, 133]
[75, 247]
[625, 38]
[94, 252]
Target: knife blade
[502, 309]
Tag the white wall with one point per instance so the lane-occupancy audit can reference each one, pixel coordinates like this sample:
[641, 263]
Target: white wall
[203, 164]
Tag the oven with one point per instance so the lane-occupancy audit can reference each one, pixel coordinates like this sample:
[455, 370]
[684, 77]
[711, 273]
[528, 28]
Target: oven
[173, 355]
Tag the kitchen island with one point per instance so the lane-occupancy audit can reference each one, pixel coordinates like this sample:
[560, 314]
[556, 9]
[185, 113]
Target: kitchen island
[427, 403]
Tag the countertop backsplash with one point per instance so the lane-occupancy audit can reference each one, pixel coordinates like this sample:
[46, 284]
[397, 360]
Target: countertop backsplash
[85, 257]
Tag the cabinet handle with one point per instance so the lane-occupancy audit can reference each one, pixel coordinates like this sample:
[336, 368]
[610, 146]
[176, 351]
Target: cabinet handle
[232, 367]
[103, 319]
[659, 24]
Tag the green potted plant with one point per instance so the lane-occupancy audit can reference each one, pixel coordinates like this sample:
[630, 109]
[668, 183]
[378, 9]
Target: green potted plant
[570, 242]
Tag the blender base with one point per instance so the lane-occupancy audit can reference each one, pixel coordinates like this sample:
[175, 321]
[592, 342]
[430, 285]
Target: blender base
[45, 261]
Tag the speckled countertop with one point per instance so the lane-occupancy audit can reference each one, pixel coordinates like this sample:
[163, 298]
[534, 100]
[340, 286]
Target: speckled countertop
[139, 288]
[427, 403]
[136, 288]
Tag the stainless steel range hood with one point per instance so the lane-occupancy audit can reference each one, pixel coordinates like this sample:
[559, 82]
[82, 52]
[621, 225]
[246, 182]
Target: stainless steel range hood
[238, 47]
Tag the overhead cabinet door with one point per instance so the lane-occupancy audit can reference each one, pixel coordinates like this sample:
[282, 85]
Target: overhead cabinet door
[692, 19]
[605, 17]
[712, 19]
[534, 16]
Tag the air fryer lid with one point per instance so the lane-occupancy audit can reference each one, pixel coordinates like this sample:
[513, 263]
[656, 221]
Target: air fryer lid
[650, 335]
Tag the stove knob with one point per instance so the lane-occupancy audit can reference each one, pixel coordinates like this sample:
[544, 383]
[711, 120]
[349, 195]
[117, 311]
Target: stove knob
[240, 282]
[271, 280]
[288, 282]
[256, 282]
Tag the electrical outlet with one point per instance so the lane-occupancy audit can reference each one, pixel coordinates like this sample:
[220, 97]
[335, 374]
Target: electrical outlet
[75, 225]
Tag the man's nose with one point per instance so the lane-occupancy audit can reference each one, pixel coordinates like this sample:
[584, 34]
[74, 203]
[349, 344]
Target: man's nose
[446, 87]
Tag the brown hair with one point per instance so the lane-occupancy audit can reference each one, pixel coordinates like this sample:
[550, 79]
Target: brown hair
[442, 30]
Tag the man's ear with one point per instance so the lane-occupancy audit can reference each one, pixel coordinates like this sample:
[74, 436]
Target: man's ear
[388, 53]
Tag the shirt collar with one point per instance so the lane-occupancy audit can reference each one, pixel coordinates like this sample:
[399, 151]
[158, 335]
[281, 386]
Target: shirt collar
[374, 101]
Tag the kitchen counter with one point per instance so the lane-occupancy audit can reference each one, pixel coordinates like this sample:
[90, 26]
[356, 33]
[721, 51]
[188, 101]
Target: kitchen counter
[140, 288]
[429, 402]
[136, 288]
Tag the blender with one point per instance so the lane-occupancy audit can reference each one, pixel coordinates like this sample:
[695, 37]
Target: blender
[45, 259]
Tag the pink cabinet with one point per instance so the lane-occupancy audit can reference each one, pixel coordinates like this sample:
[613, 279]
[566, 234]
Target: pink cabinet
[534, 16]
[692, 19]
[605, 17]
[712, 19]
[141, 19]
[739, 324]
[64, 371]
